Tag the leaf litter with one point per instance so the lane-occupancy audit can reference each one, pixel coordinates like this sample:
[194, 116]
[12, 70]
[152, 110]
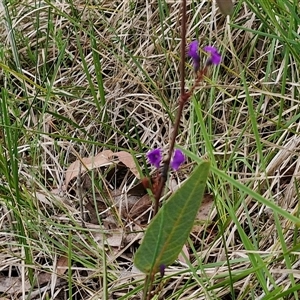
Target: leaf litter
[132, 206]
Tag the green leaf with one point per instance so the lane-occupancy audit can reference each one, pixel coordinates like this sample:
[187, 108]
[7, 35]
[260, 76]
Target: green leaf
[170, 228]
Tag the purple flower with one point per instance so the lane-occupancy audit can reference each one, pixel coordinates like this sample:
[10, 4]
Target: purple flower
[155, 157]
[194, 54]
[177, 160]
[215, 56]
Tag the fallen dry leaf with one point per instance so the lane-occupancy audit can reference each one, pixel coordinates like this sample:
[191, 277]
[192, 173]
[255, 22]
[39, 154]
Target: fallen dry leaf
[205, 208]
[204, 211]
[88, 163]
[104, 158]
[186, 253]
[138, 190]
[12, 285]
[123, 201]
[62, 265]
[113, 238]
[137, 212]
[43, 278]
[127, 159]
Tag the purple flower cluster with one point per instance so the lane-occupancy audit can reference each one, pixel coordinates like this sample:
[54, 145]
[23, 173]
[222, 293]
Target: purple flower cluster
[155, 157]
[193, 52]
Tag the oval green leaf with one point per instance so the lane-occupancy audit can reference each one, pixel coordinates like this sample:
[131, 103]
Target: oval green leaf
[170, 228]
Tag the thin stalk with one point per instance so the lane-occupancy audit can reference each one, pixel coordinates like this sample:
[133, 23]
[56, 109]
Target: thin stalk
[166, 165]
[184, 98]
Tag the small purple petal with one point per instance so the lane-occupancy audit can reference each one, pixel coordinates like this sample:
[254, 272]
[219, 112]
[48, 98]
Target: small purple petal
[194, 54]
[177, 160]
[162, 269]
[155, 156]
[215, 56]
[194, 50]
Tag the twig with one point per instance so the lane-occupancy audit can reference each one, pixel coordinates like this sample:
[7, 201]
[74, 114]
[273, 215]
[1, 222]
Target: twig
[184, 98]
[182, 101]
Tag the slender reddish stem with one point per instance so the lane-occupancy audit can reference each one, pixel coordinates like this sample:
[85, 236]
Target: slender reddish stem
[184, 98]
[182, 101]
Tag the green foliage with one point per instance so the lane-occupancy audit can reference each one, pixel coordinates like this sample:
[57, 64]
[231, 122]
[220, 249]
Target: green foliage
[170, 228]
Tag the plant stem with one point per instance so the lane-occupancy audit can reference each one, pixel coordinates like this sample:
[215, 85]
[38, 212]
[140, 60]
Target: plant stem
[184, 98]
[182, 101]
[149, 285]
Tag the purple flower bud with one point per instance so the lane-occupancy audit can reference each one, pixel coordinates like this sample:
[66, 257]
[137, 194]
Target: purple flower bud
[215, 56]
[155, 156]
[194, 54]
[177, 160]
[162, 269]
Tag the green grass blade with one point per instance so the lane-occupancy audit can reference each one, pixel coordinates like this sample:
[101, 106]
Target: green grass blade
[246, 189]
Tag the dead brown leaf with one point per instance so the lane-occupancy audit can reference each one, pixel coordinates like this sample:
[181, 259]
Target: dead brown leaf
[113, 238]
[186, 253]
[43, 278]
[62, 265]
[138, 210]
[203, 213]
[95, 211]
[104, 158]
[12, 285]
[205, 208]
[88, 163]
[127, 159]
[138, 190]
[123, 201]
